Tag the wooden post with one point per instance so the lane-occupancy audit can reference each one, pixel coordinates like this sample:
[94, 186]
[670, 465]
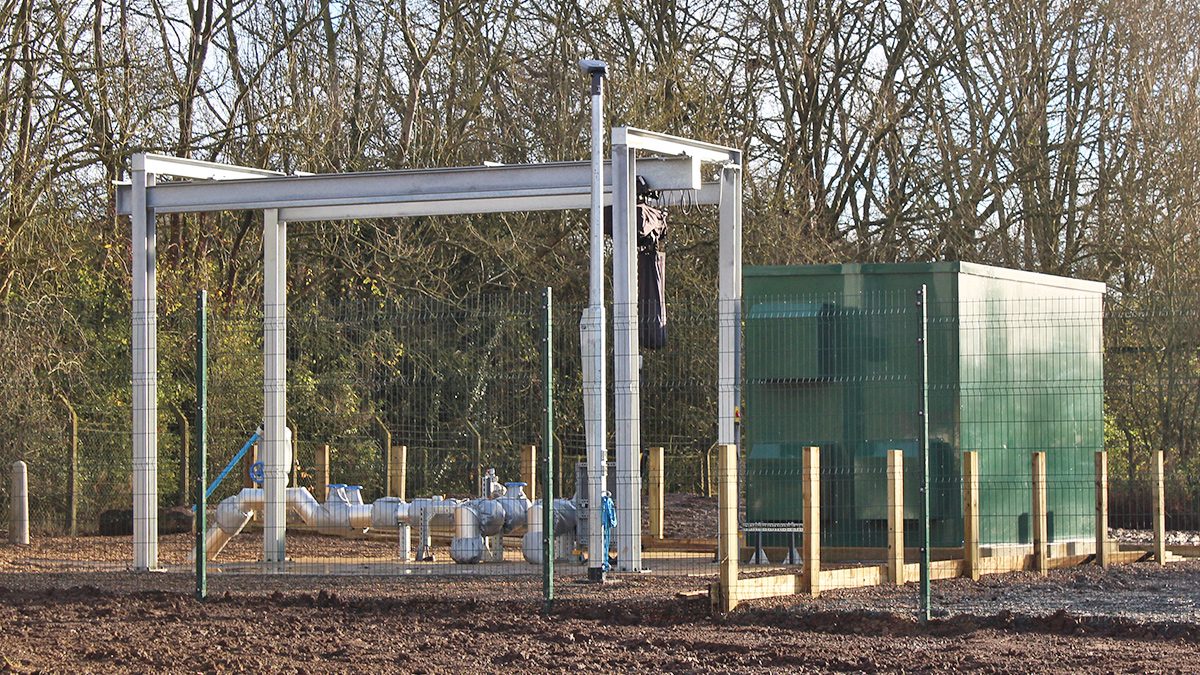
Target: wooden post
[727, 527]
[1040, 565]
[810, 539]
[322, 461]
[73, 470]
[1160, 510]
[385, 444]
[248, 461]
[707, 470]
[294, 478]
[657, 503]
[475, 478]
[1102, 508]
[185, 456]
[895, 514]
[397, 470]
[529, 470]
[971, 515]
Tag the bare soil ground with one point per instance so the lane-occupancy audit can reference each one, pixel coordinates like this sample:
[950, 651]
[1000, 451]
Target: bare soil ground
[68, 605]
[1128, 619]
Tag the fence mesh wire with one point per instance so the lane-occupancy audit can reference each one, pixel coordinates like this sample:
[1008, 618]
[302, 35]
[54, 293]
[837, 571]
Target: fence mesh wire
[457, 385]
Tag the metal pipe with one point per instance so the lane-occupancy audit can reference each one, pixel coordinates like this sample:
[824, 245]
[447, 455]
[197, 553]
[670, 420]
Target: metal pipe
[516, 506]
[233, 462]
[339, 515]
[562, 522]
[467, 546]
[593, 327]
[18, 514]
[597, 70]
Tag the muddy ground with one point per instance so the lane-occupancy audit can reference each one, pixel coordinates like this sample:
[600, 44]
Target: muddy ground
[110, 622]
[68, 606]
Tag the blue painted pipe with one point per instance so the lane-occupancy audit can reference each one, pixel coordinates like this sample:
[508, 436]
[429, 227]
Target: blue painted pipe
[232, 463]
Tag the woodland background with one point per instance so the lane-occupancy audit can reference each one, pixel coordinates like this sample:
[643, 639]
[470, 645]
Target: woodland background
[1058, 136]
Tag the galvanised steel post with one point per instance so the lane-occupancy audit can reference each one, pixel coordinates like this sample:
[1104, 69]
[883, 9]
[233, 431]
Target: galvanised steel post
[547, 451]
[201, 443]
[592, 329]
[923, 448]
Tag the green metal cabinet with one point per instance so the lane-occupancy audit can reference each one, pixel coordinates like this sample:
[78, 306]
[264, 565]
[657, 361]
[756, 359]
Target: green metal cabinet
[832, 360]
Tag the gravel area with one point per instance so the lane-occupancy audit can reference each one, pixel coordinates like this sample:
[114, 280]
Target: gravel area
[1174, 537]
[1142, 592]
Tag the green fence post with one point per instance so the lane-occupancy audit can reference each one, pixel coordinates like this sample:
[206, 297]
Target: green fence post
[547, 453]
[923, 448]
[201, 443]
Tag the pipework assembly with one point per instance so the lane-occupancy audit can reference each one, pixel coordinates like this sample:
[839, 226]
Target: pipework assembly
[478, 524]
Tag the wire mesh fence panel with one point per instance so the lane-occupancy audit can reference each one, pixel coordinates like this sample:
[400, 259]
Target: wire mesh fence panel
[883, 395]
[1032, 382]
[678, 425]
[836, 373]
[1152, 397]
[65, 414]
[404, 414]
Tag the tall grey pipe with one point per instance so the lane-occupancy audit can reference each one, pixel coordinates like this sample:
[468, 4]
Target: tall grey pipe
[592, 328]
[597, 70]
[18, 510]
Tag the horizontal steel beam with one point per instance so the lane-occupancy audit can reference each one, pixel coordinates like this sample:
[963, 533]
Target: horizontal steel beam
[382, 194]
[194, 168]
[666, 144]
[709, 193]
[442, 206]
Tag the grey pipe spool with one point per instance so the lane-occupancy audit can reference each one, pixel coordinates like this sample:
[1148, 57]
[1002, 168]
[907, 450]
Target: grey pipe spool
[18, 512]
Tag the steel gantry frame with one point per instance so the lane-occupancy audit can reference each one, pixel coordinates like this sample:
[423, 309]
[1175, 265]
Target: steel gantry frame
[674, 166]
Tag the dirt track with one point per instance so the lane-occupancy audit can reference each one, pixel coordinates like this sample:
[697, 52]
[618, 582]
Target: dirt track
[635, 624]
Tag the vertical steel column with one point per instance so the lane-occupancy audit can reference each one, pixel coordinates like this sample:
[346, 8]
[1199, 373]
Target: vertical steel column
[201, 443]
[547, 489]
[728, 551]
[626, 385]
[923, 448]
[145, 373]
[592, 344]
[275, 461]
[729, 320]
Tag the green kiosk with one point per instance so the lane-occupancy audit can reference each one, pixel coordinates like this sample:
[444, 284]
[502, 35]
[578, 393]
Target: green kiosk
[832, 359]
